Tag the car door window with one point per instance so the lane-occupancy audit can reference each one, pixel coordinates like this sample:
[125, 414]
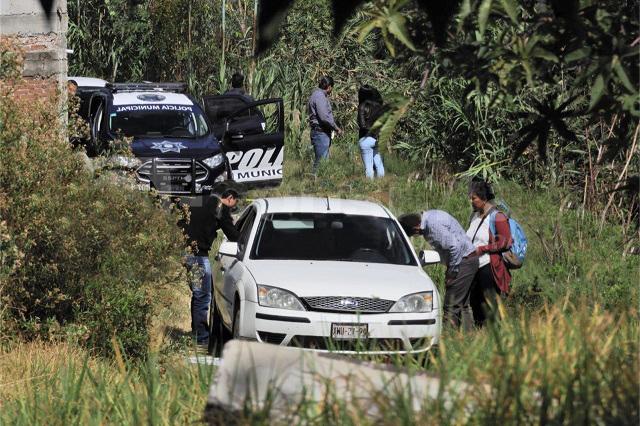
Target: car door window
[97, 122]
[245, 229]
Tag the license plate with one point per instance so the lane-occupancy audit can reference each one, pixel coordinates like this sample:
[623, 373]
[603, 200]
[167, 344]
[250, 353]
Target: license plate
[173, 179]
[174, 187]
[349, 331]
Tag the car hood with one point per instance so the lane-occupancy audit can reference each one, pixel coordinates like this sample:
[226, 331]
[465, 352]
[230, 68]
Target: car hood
[354, 279]
[175, 147]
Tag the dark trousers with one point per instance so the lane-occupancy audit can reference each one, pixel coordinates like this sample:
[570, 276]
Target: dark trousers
[199, 270]
[457, 295]
[484, 296]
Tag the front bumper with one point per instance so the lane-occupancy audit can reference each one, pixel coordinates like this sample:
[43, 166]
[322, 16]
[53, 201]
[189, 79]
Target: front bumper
[388, 333]
[180, 176]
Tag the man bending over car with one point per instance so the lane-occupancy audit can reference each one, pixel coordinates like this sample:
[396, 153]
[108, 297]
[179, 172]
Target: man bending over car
[456, 251]
[202, 230]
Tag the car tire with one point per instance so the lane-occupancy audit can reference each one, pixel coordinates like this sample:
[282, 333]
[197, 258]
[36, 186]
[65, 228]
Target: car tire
[91, 148]
[236, 324]
[218, 334]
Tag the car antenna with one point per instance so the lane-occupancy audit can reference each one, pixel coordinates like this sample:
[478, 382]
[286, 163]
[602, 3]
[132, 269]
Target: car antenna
[328, 208]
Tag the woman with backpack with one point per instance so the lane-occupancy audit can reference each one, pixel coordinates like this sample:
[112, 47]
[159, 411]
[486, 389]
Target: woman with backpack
[370, 108]
[491, 240]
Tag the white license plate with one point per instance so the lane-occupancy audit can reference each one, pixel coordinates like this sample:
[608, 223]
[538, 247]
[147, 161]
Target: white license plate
[349, 331]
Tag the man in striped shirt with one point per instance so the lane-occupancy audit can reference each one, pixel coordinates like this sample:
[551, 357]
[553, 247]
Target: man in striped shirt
[456, 251]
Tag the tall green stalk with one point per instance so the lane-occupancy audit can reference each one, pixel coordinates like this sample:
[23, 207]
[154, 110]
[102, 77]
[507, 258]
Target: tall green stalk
[221, 75]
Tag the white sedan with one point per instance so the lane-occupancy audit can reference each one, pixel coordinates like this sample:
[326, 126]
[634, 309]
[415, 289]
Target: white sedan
[324, 274]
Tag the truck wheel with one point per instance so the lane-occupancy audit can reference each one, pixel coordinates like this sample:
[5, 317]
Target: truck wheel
[92, 147]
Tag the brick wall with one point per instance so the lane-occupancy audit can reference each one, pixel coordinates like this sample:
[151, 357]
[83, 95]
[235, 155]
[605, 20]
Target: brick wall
[43, 44]
[42, 89]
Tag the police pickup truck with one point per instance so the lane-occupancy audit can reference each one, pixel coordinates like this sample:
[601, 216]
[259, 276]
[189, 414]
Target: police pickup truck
[179, 148]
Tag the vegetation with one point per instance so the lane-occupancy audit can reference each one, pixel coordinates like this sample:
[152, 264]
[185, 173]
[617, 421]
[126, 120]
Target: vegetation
[88, 264]
[81, 257]
[473, 86]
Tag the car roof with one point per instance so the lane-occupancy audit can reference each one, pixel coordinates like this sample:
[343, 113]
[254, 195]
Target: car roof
[323, 205]
[88, 81]
[131, 98]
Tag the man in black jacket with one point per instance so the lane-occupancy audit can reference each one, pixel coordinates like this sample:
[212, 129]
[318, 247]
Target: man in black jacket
[202, 230]
[370, 108]
[237, 87]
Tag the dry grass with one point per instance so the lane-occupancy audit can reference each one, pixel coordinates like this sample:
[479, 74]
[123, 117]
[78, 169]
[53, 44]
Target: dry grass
[26, 365]
[172, 316]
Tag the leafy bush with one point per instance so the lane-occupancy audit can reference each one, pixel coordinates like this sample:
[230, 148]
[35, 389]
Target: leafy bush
[79, 256]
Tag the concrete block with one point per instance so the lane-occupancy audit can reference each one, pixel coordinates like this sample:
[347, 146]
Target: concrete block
[26, 17]
[44, 64]
[258, 375]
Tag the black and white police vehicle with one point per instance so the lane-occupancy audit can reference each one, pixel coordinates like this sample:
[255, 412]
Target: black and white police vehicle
[179, 148]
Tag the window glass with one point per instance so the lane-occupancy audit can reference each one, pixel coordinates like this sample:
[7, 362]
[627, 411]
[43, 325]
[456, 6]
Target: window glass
[186, 124]
[333, 237]
[245, 228]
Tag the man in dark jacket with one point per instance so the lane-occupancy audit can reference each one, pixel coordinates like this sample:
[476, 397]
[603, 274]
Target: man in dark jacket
[202, 230]
[370, 108]
[237, 87]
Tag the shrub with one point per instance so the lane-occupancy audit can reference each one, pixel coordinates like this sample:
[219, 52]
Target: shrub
[79, 256]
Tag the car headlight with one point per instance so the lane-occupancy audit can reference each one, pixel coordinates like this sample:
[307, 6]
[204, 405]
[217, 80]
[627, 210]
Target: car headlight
[416, 302]
[274, 297]
[215, 161]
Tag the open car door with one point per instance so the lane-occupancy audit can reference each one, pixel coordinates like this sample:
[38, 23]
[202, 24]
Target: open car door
[252, 134]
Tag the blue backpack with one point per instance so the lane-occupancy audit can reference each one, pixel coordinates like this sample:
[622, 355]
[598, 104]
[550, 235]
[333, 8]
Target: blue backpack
[514, 257]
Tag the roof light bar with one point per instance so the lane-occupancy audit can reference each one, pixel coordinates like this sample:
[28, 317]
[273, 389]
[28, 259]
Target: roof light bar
[138, 87]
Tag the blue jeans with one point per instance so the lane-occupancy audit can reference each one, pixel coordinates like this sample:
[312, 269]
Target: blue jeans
[371, 157]
[199, 269]
[321, 142]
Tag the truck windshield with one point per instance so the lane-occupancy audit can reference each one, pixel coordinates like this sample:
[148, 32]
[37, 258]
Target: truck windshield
[184, 124]
[334, 237]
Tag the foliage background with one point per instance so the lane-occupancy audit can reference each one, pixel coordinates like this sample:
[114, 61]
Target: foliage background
[84, 260]
[496, 78]
[496, 75]
[82, 257]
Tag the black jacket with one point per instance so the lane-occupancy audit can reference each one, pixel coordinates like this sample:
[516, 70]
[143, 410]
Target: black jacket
[239, 92]
[368, 112]
[204, 222]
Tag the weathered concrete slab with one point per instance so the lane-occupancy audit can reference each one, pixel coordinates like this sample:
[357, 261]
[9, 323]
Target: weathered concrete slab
[257, 375]
[27, 17]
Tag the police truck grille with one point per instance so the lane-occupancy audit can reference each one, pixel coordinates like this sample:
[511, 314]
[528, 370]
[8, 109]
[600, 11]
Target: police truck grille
[348, 304]
[179, 170]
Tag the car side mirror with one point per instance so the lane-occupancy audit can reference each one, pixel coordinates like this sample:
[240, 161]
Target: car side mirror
[228, 248]
[428, 257]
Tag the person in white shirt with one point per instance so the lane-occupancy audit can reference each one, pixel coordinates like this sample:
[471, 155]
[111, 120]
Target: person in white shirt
[492, 278]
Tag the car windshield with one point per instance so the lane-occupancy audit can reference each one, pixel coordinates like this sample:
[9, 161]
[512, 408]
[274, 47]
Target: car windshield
[329, 236]
[158, 123]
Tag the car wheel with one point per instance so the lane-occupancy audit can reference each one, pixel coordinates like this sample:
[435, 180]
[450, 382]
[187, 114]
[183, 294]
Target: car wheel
[91, 147]
[218, 334]
[236, 324]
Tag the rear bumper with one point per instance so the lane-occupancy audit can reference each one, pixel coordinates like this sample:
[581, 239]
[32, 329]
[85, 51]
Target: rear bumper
[388, 333]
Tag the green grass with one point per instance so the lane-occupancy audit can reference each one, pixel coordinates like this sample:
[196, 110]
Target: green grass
[563, 365]
[71, 387]
[564, 353]
[568, 255]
